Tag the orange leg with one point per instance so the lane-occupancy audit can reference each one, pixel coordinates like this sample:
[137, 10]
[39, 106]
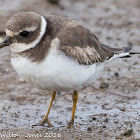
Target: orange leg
[45, 119]
[74, 98]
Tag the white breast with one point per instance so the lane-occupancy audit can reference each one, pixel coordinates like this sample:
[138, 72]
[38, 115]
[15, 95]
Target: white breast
[56, 73]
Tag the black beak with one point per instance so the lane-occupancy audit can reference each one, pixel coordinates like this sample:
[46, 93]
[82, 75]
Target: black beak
[7, 41]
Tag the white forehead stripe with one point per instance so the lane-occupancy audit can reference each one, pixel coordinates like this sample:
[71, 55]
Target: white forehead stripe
[20, 47]
[9, 33]
[31, 29]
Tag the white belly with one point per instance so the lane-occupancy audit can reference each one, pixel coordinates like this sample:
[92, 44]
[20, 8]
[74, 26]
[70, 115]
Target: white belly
[56, 73]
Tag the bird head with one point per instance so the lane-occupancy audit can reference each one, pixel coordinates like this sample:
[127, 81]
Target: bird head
[24, 31]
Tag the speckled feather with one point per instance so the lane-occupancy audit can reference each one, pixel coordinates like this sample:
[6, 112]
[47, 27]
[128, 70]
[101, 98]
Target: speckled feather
[64, 57]
[76, 42]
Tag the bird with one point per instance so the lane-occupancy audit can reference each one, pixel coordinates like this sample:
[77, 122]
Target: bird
[56, 54]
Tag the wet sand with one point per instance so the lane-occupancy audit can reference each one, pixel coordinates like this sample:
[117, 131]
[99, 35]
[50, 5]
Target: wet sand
[109, 109]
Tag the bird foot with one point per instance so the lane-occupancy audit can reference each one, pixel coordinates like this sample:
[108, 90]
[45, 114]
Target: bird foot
[70, 124]
[42, 123]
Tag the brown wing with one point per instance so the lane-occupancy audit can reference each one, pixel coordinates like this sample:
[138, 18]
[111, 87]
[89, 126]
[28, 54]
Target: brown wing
[83, 46]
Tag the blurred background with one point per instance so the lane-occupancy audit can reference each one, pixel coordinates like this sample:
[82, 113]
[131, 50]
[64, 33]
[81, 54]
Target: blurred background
[105, 18]
[108, 109]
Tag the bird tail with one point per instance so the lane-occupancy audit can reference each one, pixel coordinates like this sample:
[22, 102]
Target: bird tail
[119, 52]
[128, 50]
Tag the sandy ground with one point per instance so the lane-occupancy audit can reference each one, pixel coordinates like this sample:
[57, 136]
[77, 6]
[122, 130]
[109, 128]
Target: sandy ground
[104, 111]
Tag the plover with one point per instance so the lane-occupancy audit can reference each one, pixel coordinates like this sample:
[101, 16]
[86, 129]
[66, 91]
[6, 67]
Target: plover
[56, 54]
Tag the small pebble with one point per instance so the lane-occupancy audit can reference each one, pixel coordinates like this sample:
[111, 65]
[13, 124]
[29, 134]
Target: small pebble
[116, 121]
[127, 133]
[116, 74]
[104, 85]
[89, 129]
[54, 1]
[103, 126]
[93, 118]
[106, 120]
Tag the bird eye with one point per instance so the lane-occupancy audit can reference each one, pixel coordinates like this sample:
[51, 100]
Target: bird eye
[24, 33]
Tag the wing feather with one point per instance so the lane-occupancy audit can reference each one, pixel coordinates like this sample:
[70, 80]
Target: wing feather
[83, 46]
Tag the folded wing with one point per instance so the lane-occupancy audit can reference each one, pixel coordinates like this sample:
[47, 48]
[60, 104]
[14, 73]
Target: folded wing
[83, 46]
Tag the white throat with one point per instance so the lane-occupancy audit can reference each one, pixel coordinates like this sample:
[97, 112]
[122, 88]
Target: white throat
[20, 47]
